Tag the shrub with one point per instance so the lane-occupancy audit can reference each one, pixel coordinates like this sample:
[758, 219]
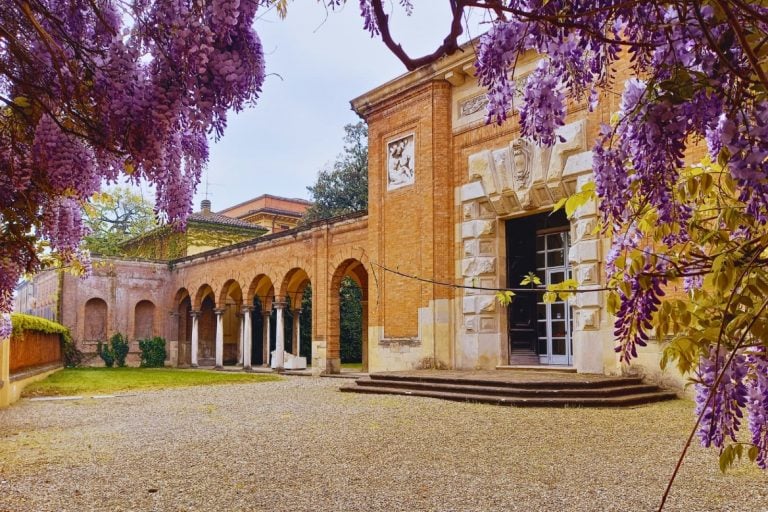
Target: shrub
[72, 355]
[152, 352]
[119, 347]
[106, 354]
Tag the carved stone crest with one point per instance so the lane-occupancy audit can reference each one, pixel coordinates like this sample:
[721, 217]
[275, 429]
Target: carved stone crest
[521, 158]
[400, 162]
[472, 105]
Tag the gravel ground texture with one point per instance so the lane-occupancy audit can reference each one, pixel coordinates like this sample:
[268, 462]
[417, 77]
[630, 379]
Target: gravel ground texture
[300, 445]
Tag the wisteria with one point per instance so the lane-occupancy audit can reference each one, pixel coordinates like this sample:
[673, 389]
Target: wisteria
[95, 90]
[722, 411]
[757, 404]
[638, 306]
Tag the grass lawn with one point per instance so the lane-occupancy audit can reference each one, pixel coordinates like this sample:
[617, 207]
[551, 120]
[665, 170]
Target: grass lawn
[353, 366]
[95, 381]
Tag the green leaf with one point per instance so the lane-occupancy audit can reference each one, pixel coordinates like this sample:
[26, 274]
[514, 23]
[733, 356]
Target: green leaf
[22, 101]
[752, 453]
[726, 458]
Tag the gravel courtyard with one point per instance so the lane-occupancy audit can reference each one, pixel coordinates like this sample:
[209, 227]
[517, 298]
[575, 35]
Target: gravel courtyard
[300, 445]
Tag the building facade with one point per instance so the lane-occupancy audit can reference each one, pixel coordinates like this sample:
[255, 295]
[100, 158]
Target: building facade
[457, 209]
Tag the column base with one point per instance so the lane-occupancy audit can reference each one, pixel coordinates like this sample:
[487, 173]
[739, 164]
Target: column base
[194, 366]
[217, 367]
[332, 366]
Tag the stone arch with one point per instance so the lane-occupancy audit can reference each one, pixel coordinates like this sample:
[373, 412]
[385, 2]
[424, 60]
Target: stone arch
[144, 320]
[95, 320]
[205, 303]
[259, 296]
[294, 283]
[204, 291]
[296, 320]
[355, 270]
[183, 309]
[231, 289]
[230, 303]
[263, 289]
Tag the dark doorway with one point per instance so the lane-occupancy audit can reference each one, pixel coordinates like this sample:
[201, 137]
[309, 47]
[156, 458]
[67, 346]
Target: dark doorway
[523, 257]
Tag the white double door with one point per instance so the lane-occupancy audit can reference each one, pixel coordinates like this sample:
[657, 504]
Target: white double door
[554, 324]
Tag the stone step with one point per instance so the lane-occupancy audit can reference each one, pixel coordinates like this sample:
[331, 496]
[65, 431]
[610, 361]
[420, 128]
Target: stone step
[616, 401]
[627, 389]
[538, 368]
[540, 383]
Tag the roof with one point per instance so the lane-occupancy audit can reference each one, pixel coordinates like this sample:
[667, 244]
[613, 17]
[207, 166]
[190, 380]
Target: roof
[217, 218]
[267, 201]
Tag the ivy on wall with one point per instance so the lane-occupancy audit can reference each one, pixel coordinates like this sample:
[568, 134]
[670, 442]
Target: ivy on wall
[166, 244]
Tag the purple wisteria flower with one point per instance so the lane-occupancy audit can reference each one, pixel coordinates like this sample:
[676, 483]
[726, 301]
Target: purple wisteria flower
[722, 413]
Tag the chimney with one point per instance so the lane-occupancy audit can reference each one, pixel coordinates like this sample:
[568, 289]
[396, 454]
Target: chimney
[205, 206]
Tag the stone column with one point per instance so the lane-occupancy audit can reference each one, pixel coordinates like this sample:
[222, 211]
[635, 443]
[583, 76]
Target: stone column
[172, 353]
[364, 306]
[195, 337]
[266, 314]
[279, 359]
[246, 340]
[219, 337]
[296, 332]
[241, 351]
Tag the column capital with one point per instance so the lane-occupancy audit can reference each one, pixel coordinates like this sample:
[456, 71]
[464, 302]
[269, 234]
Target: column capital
[297, 311]
[277, 304]
[194, 313]
[173, 313]
[266, 312]
[247, 309]
[219, 311]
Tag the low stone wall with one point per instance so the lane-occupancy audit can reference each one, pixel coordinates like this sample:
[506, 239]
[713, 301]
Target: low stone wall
[32, 349]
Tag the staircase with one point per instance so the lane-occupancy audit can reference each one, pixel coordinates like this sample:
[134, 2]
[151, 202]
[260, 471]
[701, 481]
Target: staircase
[523, 357]
[542, 392]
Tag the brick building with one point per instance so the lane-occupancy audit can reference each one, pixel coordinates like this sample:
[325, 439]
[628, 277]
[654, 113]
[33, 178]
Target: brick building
[457, 208]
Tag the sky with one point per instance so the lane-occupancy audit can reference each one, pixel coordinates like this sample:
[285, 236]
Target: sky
[317, 62]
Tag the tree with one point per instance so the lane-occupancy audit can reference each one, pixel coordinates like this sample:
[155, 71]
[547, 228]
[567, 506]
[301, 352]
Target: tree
[115, 216]
[94, 89]
[702, 77]
[344, 187]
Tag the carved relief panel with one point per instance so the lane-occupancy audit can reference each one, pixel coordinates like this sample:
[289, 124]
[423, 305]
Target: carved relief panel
[401, 162]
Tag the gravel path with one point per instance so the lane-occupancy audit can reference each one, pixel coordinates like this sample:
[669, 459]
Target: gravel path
[298, 444]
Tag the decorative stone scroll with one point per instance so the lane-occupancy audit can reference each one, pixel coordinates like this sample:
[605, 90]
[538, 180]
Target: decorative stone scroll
[401, 163]
[525, 176]
[473, 105]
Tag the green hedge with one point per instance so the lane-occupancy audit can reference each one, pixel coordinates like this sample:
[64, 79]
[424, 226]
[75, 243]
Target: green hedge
[152, 352]
[21, 322]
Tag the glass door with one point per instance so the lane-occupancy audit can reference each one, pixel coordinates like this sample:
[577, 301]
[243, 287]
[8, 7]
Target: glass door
[554, 324]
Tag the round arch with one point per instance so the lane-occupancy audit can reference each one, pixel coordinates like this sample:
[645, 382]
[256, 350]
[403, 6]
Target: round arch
[356, 271]
[183, 309]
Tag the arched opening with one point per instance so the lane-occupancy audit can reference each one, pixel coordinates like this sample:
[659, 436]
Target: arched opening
[348, 321]
[230, 304]
[295, 293]
[260, 295]
[95, 320]
[350, 324]
[184, 327]
[144, 320]
[206, 351]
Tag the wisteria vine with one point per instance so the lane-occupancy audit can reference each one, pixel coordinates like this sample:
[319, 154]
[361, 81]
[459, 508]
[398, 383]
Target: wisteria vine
[94, 90]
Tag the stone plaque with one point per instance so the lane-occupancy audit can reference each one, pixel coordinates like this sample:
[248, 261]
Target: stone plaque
[401, 162]
[472, 105]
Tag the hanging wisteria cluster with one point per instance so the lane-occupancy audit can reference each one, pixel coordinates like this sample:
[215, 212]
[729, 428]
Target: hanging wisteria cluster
[94, 90]
[699, 78]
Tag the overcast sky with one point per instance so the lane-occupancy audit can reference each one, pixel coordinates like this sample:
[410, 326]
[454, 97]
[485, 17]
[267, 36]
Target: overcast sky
[323, 61]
